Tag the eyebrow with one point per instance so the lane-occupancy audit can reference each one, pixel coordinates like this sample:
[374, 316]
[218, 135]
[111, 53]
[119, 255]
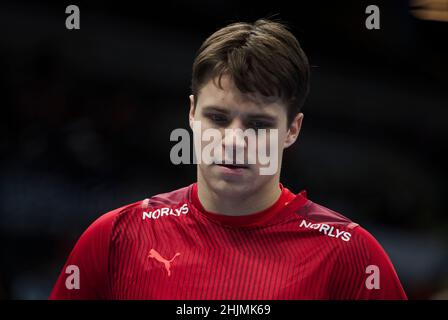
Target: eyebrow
[250, 115]
[216, 108]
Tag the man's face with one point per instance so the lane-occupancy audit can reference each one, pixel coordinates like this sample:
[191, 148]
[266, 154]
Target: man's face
[230, 112]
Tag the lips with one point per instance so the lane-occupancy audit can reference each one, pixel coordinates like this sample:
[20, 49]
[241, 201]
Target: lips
[232, 169]
[233, 166]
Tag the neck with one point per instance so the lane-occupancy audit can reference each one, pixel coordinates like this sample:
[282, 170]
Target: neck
[238, 203]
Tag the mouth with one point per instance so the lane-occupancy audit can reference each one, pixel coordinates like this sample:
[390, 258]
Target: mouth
[233, 169]
[233, 166]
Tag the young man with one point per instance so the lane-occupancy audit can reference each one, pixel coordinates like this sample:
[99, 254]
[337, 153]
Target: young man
[236, 233]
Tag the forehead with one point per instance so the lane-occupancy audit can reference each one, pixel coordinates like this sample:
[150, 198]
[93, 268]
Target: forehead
[231, 98]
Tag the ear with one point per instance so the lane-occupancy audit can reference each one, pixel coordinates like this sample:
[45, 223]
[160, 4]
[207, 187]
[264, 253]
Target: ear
[192, 110]
[294, 130]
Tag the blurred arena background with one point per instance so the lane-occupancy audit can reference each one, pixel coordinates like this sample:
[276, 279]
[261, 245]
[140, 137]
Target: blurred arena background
[86, 117]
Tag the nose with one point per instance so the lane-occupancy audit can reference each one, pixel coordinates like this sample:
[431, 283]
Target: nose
[234, 142]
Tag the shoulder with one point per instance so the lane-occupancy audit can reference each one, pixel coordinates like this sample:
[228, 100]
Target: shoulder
[138, 210]
[170, 198]
[326, 222]
[356, 241]
[99, 232]
[318, 214]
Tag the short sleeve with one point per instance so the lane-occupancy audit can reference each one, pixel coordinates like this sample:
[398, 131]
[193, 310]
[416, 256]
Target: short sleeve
[363, 271]
[85, 273]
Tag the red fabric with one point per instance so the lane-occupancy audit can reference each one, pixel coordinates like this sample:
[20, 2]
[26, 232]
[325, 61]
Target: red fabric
[254, 219]
[165, 247]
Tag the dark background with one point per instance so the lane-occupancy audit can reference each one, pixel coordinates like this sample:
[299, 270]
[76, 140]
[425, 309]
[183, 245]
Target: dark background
[86, 117]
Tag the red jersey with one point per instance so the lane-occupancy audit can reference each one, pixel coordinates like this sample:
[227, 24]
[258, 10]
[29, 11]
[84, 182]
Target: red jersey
[170, 247]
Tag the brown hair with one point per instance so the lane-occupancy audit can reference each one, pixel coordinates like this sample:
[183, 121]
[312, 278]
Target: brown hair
[263, 57]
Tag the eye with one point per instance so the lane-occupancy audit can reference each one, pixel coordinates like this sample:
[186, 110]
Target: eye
[258, 124]
[217, 118]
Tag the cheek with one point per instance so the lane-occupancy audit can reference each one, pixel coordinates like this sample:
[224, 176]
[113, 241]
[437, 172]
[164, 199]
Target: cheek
[275, 141]
[282, 136]
[200, 125]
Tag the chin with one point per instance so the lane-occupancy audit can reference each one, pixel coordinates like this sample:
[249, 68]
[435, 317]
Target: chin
[231, 188]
